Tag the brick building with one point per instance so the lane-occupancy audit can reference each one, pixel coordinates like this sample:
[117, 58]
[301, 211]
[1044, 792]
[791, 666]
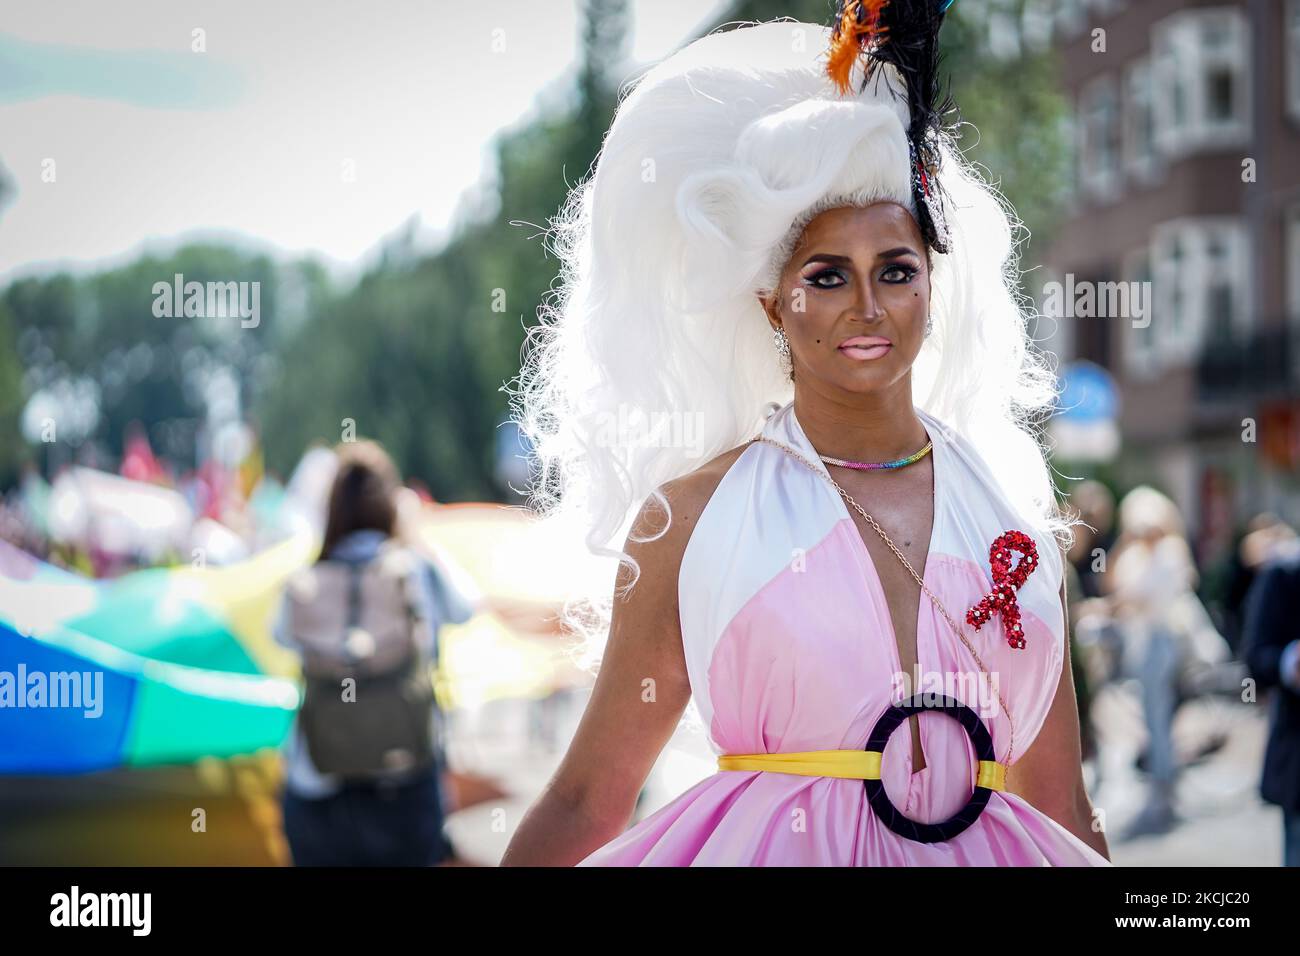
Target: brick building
[1185, 118]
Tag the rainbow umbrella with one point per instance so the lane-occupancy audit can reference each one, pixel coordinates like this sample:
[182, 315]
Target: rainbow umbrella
[161, 666]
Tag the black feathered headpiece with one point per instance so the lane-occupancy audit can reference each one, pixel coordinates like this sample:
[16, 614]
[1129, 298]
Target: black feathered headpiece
[904, 34]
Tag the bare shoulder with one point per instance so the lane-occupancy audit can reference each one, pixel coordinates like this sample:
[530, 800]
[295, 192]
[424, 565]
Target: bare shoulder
[658, 550]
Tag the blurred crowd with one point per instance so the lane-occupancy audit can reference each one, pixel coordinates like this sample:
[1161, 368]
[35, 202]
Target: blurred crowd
[105, 519]
[1142, 619]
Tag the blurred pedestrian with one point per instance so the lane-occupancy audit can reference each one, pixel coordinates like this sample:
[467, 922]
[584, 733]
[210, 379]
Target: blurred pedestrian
[1264, 534]
[1271, 638]
[364, 759]
[1094, 537]
[1153, 571]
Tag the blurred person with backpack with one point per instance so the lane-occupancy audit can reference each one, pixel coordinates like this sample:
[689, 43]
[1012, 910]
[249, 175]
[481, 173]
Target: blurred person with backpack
[364, 758]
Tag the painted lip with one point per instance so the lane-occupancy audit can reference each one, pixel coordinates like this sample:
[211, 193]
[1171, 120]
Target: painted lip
[865, 347]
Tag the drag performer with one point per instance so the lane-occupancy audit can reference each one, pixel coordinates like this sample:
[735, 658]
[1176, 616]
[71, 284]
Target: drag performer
[853, 571]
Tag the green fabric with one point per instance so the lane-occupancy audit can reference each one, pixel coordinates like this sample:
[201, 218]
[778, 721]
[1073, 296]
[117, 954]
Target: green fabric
[152, 613]
[181, 719]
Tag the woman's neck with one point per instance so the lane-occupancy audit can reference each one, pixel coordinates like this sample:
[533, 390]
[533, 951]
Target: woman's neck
[881, 426]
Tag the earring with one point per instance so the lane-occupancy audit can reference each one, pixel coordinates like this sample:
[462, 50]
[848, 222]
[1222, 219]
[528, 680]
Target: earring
[782, 345]
[929, 324]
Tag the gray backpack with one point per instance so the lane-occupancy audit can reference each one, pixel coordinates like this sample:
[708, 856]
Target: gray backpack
[369, 706]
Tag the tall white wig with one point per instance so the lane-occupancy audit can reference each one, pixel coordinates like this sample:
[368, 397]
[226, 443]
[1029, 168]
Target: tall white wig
[656, 355]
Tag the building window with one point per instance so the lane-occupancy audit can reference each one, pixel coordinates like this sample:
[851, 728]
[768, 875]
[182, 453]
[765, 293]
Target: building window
[1099, 146]
[1293, 58]
[1202, 287]
[1201, 80]
[1225, 81]
[1140, 353]
[1139, 122]
[1235, 268]
[1172, 60]
[1223, 292]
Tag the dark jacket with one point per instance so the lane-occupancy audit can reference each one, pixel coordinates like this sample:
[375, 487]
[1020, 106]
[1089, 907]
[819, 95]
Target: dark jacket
[1272, 622]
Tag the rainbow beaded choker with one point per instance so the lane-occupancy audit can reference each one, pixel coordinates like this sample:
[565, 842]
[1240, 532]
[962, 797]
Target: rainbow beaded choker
[878, 465]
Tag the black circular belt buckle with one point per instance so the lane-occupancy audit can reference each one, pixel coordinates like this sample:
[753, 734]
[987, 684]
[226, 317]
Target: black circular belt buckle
[881, 805]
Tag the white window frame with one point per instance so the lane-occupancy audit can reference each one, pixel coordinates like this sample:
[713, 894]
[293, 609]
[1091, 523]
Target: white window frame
[1233, 24]
[1181, 62]
[1141, 354]
[1173, 58]
[1170, 276]
[1100, 182]
[1179, 342]
[1142, 164]
[1235, 238]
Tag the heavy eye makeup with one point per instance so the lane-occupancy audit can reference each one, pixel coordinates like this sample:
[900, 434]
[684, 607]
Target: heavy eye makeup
[832, 277]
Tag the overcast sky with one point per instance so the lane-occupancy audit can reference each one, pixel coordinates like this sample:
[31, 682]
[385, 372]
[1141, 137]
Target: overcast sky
[151, 140]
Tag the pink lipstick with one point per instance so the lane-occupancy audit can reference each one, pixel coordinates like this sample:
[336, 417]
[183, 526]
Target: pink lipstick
[865, 347]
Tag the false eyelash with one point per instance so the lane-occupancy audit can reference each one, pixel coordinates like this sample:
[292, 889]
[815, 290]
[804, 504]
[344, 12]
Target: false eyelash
[812, 279]
[910, 271]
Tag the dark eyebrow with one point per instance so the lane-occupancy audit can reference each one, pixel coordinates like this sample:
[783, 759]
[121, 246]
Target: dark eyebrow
[835, 260]
[898, 251]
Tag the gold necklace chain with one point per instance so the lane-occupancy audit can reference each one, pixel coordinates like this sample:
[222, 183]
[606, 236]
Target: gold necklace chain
[907, 564]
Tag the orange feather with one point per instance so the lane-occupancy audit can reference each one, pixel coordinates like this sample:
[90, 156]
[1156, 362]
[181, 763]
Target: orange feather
[854, 35]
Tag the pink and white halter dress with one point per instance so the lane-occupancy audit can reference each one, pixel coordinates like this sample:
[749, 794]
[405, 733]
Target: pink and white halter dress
[790, 647]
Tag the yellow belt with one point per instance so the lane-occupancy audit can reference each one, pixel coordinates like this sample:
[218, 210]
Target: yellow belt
[855, 764]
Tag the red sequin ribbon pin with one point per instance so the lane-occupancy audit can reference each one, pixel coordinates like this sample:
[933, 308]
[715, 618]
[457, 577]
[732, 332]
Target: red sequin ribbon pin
[1006, 581]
